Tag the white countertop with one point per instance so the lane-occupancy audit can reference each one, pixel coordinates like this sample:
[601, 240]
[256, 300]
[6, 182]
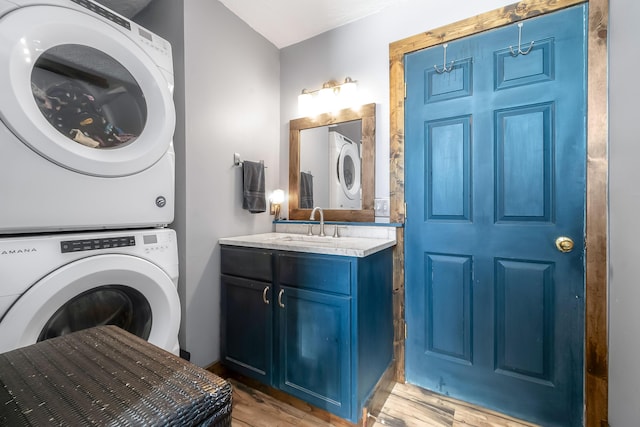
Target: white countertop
[345, 246]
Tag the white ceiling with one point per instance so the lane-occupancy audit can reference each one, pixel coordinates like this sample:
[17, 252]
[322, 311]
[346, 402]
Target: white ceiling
[286, 22]
[282, 22]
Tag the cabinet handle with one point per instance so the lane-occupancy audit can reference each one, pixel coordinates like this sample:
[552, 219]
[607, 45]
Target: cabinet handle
[264, 295]
[280, 298]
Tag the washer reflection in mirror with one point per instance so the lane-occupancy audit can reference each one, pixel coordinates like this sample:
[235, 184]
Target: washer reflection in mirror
[331, 155]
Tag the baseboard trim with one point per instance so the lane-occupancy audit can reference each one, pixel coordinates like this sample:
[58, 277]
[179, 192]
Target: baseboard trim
[379, 396]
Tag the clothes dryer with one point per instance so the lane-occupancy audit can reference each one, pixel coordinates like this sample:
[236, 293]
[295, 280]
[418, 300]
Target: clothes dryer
[51, 285]
[86, 119]
[345, 167]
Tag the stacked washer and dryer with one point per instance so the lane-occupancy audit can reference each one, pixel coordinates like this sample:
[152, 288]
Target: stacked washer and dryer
[86, 174]
[345, 168]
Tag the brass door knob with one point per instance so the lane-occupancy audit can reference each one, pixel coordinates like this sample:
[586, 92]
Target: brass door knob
[564, 244]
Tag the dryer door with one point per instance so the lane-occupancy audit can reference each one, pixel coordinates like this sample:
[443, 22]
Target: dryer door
[81, 93]
[349, 171]
[112, 289]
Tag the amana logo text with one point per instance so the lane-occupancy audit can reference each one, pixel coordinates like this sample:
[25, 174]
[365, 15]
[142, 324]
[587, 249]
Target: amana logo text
[17, 251]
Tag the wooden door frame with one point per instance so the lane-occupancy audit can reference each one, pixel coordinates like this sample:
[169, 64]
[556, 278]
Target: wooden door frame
[596, 262]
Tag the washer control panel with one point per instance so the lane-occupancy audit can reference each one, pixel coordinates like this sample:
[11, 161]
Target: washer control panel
[156, 243]
[94, 244]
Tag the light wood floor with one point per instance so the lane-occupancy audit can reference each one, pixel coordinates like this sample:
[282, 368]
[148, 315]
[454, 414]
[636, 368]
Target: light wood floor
[407, 406]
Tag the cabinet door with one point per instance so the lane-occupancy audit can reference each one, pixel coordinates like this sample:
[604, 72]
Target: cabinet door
[314, 344]
[247, 327]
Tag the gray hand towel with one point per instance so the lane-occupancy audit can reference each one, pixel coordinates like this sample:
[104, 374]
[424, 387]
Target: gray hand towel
[253, 198]
[306, 190]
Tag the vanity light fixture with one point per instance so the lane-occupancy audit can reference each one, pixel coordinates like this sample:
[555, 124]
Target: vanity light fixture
[333, 96]
[275, 201]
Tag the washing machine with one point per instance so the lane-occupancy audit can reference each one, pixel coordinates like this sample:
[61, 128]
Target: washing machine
[54, 284]
[86, 119]
[345, 166]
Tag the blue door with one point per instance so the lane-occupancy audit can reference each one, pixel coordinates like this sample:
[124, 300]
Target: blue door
[495, 191]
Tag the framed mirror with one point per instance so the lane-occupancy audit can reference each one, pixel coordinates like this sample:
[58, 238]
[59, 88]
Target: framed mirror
[332, 165]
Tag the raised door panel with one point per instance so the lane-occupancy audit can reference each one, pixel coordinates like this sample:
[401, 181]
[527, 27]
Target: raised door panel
[314, 348]
[247, 327]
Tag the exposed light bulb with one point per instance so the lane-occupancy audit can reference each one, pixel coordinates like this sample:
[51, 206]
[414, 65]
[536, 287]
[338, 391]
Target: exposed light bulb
[348, 93]
[277, 196]
[305, 103]
[326, 99]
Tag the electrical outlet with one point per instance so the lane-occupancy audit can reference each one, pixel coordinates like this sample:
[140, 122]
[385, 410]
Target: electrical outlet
[381, 207]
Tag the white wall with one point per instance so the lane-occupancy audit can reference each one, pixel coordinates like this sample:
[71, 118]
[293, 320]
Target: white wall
[230, 77]
[232, 91]
[624, 205]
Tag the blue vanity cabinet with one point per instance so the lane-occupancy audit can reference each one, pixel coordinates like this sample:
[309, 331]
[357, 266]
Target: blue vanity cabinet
[246, 311]
[318, 327]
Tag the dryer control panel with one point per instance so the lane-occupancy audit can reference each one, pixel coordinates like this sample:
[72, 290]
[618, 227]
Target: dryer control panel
[93, 244]
[105, 13]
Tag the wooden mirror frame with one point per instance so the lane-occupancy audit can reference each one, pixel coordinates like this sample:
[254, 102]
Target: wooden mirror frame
[367, 115]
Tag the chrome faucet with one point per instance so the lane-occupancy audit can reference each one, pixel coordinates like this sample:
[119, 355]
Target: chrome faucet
[313, 217]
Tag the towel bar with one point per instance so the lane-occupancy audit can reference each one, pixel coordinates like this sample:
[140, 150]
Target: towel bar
[237, 161]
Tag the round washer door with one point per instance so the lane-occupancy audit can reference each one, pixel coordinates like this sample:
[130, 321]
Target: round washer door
[349, 171]
[82, 94]
[29, 319]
